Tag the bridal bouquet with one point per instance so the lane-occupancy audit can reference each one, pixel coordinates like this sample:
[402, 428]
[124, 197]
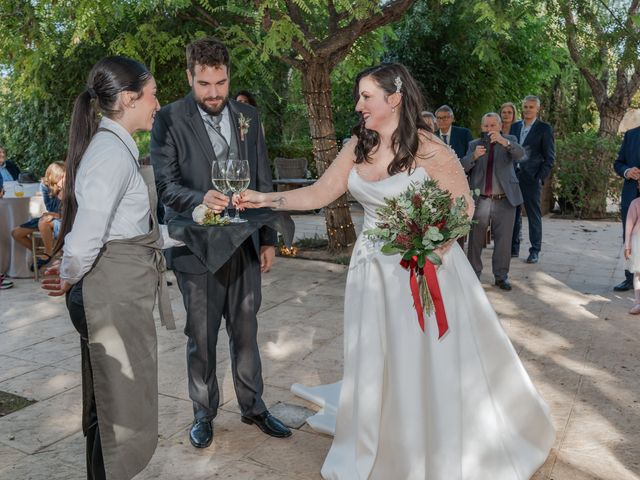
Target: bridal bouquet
[203, 215]
[415, 224]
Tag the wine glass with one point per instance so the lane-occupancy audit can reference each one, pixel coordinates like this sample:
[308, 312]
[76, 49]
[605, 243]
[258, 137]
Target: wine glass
[219, 180]
[18, 190]
[237, 175]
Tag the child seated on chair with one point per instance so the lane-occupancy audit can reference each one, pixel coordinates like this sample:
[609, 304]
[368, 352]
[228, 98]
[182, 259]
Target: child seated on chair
[49, 223]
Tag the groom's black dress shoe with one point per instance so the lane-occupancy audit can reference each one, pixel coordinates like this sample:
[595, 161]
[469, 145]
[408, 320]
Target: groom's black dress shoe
[624, 286]
[503, 284]
[532, 258]
[201, 433]
[268, 424]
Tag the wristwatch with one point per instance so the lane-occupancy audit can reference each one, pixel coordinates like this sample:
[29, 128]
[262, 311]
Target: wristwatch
[508, 145]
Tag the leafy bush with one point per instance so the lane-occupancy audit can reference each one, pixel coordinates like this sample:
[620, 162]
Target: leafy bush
[34, 132]
[584, 178]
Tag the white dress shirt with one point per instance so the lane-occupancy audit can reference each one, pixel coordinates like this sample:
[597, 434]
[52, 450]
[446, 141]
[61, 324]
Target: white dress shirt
[446, 136]
[4, 173]
[113, 201]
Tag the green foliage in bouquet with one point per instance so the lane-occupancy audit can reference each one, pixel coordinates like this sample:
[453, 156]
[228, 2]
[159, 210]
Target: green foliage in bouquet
[420, 220]
[215, 219]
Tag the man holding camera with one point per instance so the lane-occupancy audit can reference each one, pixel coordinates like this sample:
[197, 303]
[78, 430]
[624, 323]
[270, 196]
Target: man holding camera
[490, 166]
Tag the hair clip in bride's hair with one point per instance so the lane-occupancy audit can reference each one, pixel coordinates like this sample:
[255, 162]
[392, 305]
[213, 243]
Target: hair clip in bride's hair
[398, 84]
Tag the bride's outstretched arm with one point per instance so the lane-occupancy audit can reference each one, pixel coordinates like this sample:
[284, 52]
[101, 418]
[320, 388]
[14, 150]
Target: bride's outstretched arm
[328, 188]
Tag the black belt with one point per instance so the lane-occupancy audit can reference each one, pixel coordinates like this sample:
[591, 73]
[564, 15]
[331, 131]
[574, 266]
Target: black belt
[497, 196]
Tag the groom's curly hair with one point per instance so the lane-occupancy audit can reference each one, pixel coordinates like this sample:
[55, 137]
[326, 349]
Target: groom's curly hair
[207, 51]
[393, 78]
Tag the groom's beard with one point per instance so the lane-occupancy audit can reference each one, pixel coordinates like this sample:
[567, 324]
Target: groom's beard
[210, 109]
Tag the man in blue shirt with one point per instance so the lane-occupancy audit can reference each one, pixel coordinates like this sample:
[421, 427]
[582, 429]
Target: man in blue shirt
[8, 170]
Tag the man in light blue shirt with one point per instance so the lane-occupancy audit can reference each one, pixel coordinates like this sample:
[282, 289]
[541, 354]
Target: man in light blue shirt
[8, 170]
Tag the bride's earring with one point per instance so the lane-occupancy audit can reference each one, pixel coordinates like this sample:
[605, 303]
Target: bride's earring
[393, 109]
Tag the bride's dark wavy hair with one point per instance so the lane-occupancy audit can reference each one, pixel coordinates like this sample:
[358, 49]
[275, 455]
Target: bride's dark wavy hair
[405, 140]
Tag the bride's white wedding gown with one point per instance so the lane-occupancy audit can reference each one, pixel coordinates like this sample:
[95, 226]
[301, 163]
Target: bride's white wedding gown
[412, 407]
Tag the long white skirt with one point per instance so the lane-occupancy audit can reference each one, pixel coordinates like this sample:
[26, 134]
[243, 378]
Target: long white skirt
[415, 407]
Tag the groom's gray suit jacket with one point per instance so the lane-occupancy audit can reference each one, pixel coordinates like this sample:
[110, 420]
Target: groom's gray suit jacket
[182, 154]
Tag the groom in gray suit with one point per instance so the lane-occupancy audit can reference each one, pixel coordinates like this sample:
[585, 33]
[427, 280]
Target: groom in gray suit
[490, 166]
[187, 136]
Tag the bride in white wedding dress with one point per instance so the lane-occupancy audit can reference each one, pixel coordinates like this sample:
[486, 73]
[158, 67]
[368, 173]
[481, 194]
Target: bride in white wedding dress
[412, 406]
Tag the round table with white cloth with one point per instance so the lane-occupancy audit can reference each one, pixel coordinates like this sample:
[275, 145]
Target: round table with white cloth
[15, 260]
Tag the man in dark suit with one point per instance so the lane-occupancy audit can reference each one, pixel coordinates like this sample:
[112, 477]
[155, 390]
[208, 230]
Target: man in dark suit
[627, 165]
[9, 171]
[457, 138]
[536, 137]
[490, 166]
[187, 136]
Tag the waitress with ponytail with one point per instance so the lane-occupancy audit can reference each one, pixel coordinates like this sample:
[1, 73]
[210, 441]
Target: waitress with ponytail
[112, 265]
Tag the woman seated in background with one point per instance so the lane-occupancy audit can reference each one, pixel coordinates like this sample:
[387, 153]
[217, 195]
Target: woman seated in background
[49, 223]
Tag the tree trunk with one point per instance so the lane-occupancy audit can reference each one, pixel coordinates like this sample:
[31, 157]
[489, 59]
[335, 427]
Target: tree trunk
[610, 118]
[316, 85]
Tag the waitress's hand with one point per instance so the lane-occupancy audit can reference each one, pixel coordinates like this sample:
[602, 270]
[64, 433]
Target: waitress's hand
[53, 283]
[250, 199]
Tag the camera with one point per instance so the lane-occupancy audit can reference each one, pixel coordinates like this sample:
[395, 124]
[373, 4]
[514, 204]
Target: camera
[485, 137]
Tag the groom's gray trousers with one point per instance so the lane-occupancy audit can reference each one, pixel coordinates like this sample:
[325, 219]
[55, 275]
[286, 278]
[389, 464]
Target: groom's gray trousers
[232, 292]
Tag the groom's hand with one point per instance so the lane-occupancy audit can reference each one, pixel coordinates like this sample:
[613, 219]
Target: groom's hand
[267, 255]
[216, 201]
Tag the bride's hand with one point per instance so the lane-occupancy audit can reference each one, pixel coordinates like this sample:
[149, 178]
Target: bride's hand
[250, 199]
[444, 248]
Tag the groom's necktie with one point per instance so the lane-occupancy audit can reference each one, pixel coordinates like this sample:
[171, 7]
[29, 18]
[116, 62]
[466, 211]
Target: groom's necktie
[220, 145]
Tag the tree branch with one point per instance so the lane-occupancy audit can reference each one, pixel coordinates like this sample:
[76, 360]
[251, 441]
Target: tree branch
[207, 18]
[626, 87]
[295, 14]
[333, 18]
[334, 45]
[597, 88]
[634, 81]
[292, 62]
[297, 45]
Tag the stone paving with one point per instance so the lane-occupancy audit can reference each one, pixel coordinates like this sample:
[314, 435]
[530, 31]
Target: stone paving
[572, 332]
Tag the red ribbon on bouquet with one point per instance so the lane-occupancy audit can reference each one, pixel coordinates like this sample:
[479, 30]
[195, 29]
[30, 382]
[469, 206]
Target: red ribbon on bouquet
[429, 272]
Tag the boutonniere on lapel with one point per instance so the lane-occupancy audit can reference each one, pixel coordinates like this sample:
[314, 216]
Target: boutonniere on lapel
[243, 125]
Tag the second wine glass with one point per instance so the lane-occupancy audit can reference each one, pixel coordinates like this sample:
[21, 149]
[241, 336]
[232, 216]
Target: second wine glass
[237, 175]
[219, 181]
